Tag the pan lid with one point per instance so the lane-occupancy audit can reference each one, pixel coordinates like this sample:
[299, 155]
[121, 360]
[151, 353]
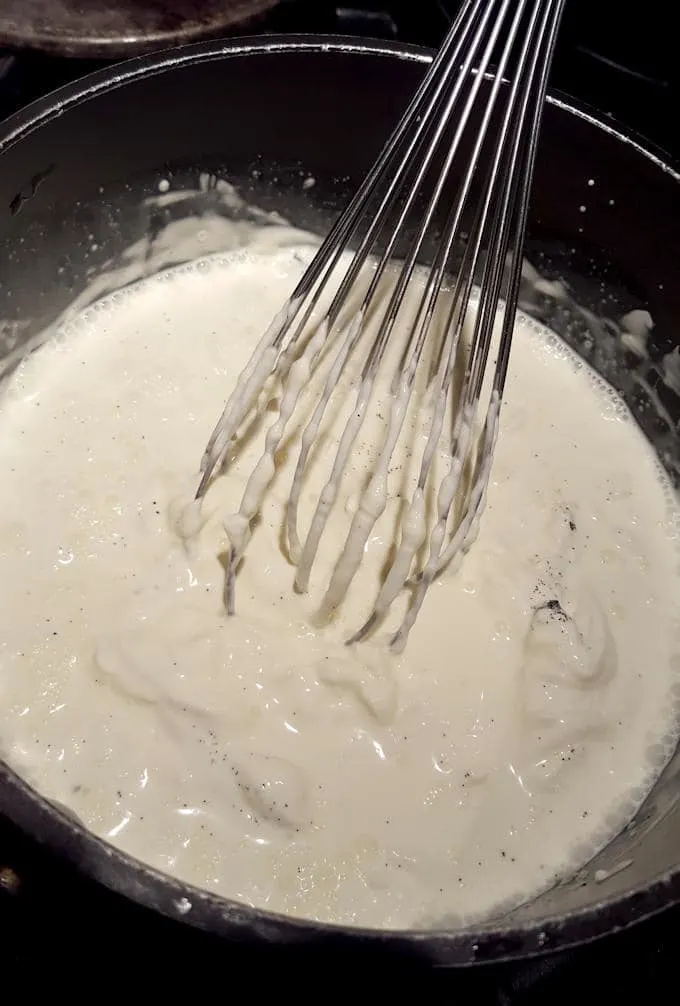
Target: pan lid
[115, 29]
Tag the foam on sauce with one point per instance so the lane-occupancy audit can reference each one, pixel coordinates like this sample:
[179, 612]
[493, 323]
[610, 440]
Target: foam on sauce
[260, 757]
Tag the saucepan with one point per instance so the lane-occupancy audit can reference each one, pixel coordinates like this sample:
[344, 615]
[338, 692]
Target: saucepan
[290, 125]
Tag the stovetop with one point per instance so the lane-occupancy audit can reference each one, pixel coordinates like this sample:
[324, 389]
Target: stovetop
[625, 65]
[607, 57]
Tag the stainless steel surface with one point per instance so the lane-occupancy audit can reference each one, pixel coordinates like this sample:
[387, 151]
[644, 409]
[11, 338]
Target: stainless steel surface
[449, 115]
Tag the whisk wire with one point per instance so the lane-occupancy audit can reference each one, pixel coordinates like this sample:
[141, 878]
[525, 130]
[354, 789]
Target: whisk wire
[296, 371]
[513, 166]
[330, 251]
[432, 132]
[373, 500]
[369, 511]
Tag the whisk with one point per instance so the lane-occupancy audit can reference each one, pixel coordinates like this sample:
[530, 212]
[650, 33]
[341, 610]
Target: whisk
[473, 125]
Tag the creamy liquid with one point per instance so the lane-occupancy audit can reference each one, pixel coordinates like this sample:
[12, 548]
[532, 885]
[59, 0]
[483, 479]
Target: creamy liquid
[259, 756]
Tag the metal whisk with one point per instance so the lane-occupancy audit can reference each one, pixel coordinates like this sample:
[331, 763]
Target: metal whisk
[472, 129]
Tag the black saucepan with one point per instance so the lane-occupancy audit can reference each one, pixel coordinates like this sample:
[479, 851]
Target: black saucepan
[79, 185]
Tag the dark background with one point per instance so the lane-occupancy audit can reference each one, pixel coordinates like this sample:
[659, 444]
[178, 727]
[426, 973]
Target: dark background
[621, 58]
[58, 927]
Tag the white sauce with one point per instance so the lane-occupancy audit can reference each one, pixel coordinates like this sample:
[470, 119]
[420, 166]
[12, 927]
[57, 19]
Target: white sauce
[258, 755]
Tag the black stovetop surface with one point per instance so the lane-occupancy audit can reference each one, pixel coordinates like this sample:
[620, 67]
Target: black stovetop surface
[610, 57]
